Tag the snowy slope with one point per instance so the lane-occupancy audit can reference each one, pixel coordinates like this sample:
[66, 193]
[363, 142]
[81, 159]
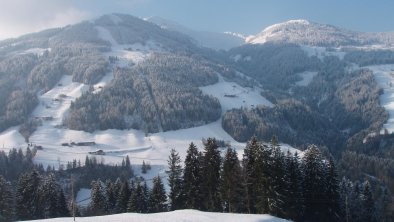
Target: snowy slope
[384, 76]
[177, 216]
[213, 40]
[304, 32]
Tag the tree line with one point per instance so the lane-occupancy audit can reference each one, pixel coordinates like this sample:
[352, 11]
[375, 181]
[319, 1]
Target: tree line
[266, 180]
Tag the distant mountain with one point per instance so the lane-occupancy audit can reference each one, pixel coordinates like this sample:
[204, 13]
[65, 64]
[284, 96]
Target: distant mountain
[310, 33]
[215, 40]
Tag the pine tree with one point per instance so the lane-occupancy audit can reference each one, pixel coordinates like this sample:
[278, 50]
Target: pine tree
[355, 203]
[144, 167]
[256, 160]
[332, 192]
[293, 185]
[62, 209]
[123, 198]
[277, 187]
[6, 200]
[137, 200]
[175, 181]
[50, 192]
[128, 165]
[211, 171]
[314, 184]
[110, 197]
[98, 203]
[192, 178]
[158, 197]
[367, 203]
[232, 187]
[28, 197]
[345, 188]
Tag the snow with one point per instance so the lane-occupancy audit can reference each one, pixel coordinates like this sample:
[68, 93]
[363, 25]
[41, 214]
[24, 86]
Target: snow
[83, 197]
[36, 51]
[274, 30]
[11, 138]
[231, 95]
[384, 76]
[307, 77]
[177, 216]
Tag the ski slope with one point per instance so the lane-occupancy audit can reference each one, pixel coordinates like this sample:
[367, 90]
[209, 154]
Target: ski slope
[176, 216]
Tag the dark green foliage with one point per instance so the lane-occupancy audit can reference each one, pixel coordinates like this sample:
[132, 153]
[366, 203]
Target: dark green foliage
[294, 122]
[6, 200]
[367, 203]
[211, 172]
[254, 177]
[97, 204]
[293, 201]
[370, 57]
[273, 65]
[277, 188]
[175, 181]
[62, 205]
[232, 187]
[332, 192]
[192, 178]
[158, 94]
[139, 199]
[50, 195]
[123, 198]
[313, 183]
[28, 197]
[158, 197]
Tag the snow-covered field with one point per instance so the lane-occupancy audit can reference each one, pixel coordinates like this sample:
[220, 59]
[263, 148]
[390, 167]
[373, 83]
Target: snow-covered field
[231, 95]
[176, 216]
[384, 76]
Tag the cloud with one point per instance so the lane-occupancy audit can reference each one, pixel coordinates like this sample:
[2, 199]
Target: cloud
[18, 17]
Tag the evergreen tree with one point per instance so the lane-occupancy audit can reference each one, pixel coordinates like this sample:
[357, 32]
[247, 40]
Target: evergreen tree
[232, 187]
[211, 171]
[367, 204]
[146, 205]
[123, 198]
[345, 188]
[28, 197]
[128, 165]
[137, 200]
[293, 182]
[332, 192]
[110, 197]
[192, 178]
[50, 192]
[277, 186]
[256, 162]
[314, 184]
[98, 203]
[175, 182]
[6, 200]
[144, 168]
[62, 210]
[158, 197]
[355, 203]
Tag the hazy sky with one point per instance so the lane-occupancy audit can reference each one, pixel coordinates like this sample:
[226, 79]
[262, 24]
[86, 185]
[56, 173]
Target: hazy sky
[243, 16]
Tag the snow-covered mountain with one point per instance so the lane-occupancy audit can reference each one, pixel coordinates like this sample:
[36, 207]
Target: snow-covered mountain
[310, 33]
[215, 40]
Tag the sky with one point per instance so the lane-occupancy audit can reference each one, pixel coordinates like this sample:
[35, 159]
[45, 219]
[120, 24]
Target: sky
[19, 17]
